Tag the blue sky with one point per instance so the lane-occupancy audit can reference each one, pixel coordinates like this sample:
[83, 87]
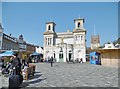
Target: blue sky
[29, 18]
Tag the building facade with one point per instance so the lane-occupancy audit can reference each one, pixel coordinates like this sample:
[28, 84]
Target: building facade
[70, 45]
[8, 42]
[39, 49]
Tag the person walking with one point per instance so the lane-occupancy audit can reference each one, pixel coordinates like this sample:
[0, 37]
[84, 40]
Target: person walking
[51, 61]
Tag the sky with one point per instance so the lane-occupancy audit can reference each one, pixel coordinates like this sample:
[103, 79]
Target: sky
[29, 19]
[0, 12]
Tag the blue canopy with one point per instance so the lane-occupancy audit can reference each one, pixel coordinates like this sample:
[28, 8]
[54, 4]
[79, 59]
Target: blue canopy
[7, 53]
[35, 54]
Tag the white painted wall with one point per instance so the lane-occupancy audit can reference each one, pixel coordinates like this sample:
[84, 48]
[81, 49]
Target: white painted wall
[39, 50]
[109, 46]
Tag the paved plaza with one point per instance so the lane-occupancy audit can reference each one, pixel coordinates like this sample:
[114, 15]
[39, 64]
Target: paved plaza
[72, 75]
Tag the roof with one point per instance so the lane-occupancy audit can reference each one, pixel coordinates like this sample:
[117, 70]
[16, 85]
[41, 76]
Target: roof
[79, 19]
[108, 50]
[79, 30]
[5, 36]
[48, 32]
[50, 23]
[65, 33]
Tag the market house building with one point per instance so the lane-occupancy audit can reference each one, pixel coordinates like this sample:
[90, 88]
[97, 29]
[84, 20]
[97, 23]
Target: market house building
[64, 46]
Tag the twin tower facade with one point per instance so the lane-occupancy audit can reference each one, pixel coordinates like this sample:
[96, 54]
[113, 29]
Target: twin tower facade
[69, 45]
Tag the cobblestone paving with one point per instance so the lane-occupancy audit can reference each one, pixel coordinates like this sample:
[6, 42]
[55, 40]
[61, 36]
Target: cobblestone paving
[72, 75]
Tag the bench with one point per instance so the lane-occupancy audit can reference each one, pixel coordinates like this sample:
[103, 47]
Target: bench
[29, 71]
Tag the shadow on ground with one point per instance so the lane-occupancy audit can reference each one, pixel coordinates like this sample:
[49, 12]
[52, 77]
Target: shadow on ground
[32, 80]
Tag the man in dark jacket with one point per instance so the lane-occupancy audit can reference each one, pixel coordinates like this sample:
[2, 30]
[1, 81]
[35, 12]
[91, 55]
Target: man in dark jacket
[16, 78]
[16, 64]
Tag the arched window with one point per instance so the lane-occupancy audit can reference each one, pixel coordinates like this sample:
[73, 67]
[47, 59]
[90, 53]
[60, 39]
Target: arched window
[49, 27]
[79, 25]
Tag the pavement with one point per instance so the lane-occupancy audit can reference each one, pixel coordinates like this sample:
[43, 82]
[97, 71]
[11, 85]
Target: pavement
[72, 75]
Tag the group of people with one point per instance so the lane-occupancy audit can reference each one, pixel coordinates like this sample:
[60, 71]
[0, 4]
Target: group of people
[14, 64]
[14, 69]
[77, 60]
[34, 59]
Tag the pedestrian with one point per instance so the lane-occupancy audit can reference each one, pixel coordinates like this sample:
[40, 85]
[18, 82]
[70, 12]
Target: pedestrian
[81, 60]
[51, 61]
[16, 64]
[16, 78]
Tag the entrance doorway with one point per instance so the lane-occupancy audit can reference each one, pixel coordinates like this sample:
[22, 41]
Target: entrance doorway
[70, 56]
[61, 57]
